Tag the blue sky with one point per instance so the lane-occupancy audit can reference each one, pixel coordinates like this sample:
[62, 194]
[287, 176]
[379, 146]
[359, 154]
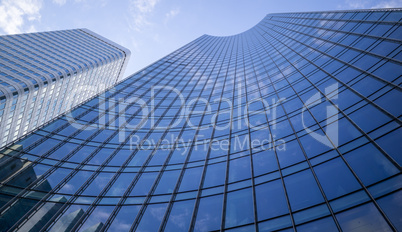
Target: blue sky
[152, 29]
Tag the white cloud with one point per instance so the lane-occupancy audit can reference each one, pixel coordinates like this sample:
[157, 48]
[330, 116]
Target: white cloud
[139, 11]
[145, 6]
[15, 13]
[389, 4]
[366, 4]
[171, 14]
[156, 38]
[357, 4]
[60, 2]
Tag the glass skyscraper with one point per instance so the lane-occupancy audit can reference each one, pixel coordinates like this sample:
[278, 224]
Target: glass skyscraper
[45, 74]
[292, 125]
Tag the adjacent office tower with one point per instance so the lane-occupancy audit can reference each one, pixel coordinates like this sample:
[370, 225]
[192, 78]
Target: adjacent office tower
[45, 74]
[294, 124]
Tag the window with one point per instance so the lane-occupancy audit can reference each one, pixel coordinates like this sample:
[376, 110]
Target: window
[167, 182]
[191, 179]
[152, 217]
[180, 216]
[369, 118]
[239, 169]
[391, 143]
[365, 218]
[98, 184]
[264, 162]
[392, 205]
[326, 224]
[97, 218]
[302, 190]
[271, 201]
[369, 164]
[144, 184]
[239, 208]
[338, 184]
[290, 154]
[125, 218]
[312, 147]
[215, 175]
[209, 214]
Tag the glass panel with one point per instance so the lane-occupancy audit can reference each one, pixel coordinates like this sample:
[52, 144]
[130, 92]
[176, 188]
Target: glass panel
[191, 179]
[180, 216]
[121, 184]
[75, 183]
[152, 217]
[336, 185]
[97, 218]
[264, 162]
[369, 118]
[168, 182]
[144, 184]
[271, 201]
[302, 190]
[239, 169]
[275, 224]
[198, 153]
[98, 184]
[365, 218]
[215, 175]
[69, 218]
[369, 164]
[312, 147]
[290, 154]
[239, 208]
[209, 214]
[347, 132]
[243, 229]
[125, 218]
[326, 224]
[392, 205]
[391, 143]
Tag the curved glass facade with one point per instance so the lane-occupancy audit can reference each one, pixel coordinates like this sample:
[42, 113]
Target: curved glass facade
[293, 125]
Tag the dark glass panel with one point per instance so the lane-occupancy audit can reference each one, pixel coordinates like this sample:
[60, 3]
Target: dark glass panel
[209, 214]
[152, 217]
[180, 216]
[239, 208]
[290, 153]
[302, 190]
[392, 205]
[125, 218]
[97, 218]
[271, 200]
[144, 184]
[391, 143]
[336, 185]
[121, 184]
[326, 224]
[264, 162]
[369, 164]
[239, 169]
[215, 175]
[191, 179]
[365, 218]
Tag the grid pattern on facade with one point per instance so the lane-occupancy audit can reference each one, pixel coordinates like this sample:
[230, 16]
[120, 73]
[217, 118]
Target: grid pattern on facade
[287, 83]
[40, 72]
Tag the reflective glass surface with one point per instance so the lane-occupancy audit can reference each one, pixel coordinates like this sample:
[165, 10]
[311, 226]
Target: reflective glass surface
[292, 125]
